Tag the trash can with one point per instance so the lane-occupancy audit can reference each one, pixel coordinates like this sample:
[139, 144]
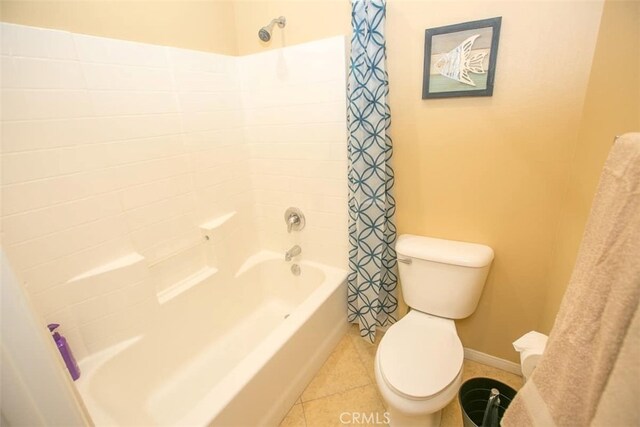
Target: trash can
[474, 396]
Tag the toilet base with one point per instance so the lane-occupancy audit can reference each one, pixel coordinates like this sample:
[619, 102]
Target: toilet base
[398, 419]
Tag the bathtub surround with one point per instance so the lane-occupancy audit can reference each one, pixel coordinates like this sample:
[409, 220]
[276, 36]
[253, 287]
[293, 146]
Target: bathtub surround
[120, 159]
[294, 113]
[373, 275]
[144, 189]
[113, 154]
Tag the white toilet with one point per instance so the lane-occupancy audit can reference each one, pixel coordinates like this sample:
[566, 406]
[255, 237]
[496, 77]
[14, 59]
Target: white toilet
[418, 365]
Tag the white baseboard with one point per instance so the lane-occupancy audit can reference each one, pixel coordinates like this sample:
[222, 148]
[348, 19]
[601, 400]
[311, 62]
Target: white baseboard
[489, 360]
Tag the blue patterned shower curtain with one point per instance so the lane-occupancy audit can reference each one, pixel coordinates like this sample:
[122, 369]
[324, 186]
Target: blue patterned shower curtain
[372, 233]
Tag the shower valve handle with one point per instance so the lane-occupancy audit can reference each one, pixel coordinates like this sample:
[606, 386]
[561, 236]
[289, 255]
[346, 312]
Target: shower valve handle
[294, 219]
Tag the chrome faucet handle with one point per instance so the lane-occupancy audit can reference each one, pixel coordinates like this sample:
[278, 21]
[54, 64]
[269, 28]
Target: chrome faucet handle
[294, 219]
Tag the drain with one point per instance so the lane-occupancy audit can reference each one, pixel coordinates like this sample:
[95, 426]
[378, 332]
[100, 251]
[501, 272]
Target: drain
[295, 269]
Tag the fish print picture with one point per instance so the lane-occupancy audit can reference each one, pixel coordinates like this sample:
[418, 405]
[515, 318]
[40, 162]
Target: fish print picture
[460, 59]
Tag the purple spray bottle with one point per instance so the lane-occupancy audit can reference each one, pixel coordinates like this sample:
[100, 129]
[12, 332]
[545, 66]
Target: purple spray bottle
[65, 351]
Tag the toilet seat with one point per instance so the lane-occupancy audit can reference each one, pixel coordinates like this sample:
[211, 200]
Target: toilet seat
[420, 355]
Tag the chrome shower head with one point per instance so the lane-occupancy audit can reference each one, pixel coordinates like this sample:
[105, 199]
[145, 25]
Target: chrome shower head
[265, 32]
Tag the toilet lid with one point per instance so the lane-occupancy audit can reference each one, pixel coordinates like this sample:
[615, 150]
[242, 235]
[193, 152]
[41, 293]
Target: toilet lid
[420, 355]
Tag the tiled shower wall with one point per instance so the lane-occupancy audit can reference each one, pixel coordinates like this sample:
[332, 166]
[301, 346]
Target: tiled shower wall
[295, 129]
[111, 148]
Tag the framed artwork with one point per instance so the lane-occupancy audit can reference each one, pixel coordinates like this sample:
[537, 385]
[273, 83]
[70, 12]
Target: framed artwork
[460, 59]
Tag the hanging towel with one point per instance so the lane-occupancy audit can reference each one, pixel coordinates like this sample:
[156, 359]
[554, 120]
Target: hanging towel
[589, 344]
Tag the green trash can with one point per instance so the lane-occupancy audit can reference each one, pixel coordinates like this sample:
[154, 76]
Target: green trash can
[474, 396]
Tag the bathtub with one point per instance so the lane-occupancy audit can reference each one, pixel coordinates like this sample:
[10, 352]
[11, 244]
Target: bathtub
[235, 350]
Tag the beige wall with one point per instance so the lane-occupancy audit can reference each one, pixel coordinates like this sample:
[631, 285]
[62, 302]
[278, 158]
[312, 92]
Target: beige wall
[307, 20]
[201, 25]
[491, 170]
[612, 107]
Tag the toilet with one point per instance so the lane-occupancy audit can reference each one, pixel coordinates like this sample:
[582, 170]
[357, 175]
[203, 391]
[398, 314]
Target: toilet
[418, 365]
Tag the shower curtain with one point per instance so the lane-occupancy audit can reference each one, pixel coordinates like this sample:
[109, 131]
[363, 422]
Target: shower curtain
[372, 280]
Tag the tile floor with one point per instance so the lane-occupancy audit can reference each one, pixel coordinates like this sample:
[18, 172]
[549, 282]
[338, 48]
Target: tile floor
[346, 383]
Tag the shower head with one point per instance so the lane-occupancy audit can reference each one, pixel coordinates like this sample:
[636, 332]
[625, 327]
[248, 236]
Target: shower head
[265, 32]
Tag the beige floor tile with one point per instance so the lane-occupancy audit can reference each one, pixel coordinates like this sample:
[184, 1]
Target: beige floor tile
[471, 370]
[342, 371]
[346, 384]
[352, 407]
[366, 350]
[354, 330]
[451, 415]
[295, 417]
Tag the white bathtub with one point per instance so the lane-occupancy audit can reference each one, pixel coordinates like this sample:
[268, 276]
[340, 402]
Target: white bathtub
[229, 351]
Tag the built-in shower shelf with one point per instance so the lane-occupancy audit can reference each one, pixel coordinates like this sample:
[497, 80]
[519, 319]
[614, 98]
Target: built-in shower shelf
[208, 227]
[184, 285]
[123, 262]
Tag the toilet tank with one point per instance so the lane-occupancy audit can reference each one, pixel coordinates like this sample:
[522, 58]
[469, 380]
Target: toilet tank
[442, 277]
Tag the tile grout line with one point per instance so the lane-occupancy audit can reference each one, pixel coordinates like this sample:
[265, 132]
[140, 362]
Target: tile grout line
[373, 382]
[353, 337]
[338, 392]
[304, 414]
[360, 357]
[348, 389]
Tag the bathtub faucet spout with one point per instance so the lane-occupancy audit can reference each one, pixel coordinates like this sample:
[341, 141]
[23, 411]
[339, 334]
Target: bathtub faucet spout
[294, 251]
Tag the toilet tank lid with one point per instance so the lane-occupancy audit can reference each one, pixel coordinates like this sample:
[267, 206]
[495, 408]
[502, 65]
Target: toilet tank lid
[444, 251]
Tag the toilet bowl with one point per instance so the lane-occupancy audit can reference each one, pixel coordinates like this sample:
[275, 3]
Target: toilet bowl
[418, 364]
[418, 368]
